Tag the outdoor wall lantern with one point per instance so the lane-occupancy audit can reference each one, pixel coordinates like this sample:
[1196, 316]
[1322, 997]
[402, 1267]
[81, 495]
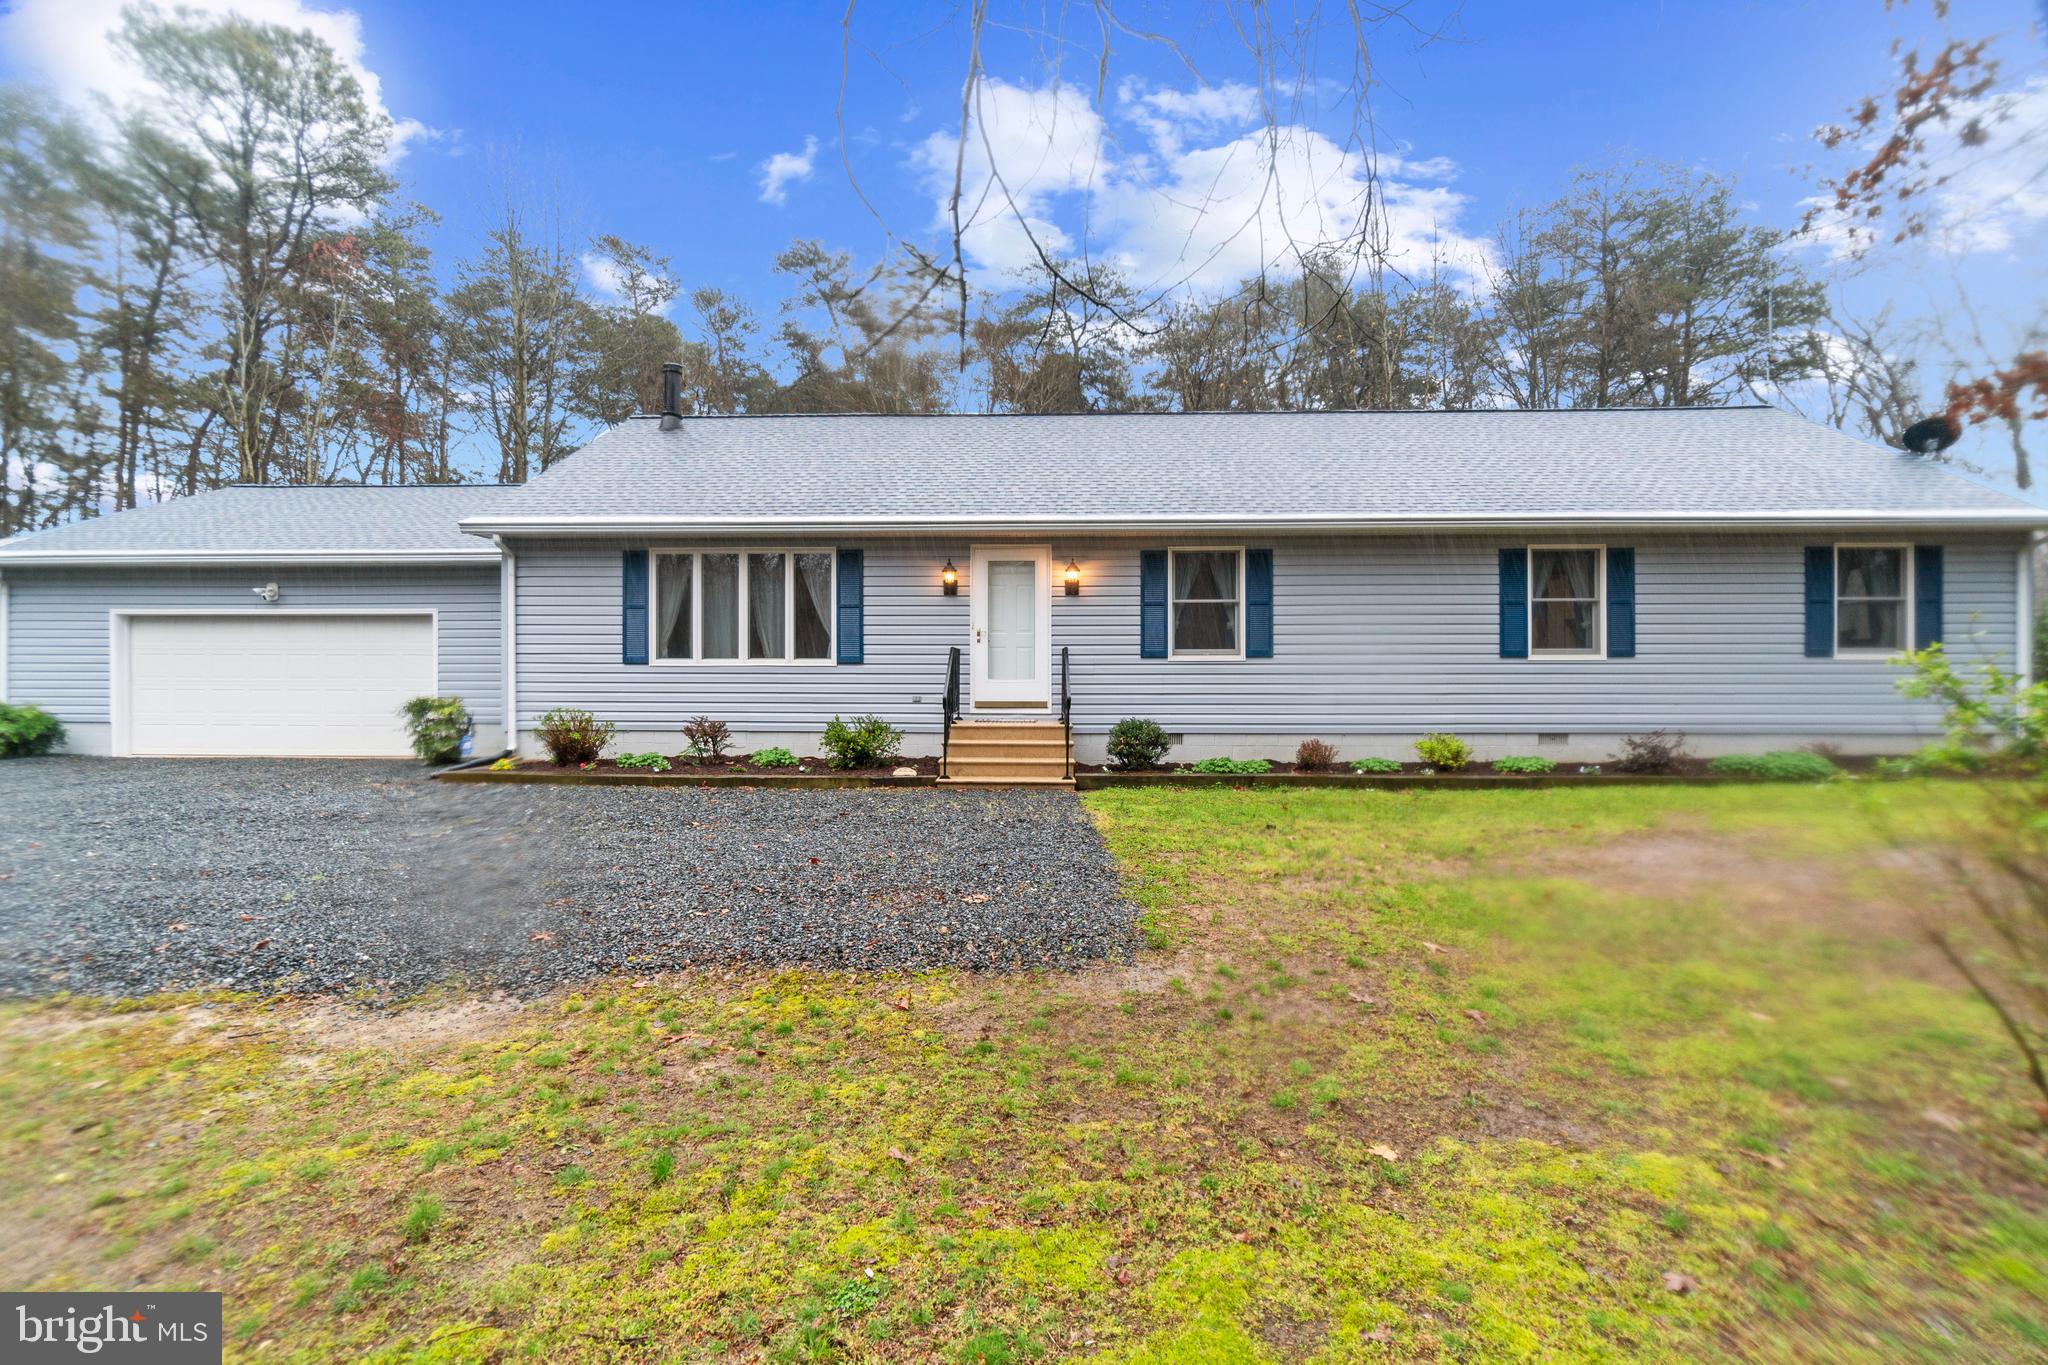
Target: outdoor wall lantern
[1073, 579]
[949, 580]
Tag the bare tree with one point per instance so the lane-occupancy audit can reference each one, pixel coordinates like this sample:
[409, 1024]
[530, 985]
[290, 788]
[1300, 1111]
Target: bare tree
[261, 137]
[1914, 149]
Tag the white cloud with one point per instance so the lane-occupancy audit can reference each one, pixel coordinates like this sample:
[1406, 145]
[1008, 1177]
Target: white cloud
[1046, 144]
[602, 275]
[1212, 196]
[784, 168]
[70, 44]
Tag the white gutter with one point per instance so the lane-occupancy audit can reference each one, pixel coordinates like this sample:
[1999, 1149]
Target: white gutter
[129, 558]
[1850, 518]
[508, 578]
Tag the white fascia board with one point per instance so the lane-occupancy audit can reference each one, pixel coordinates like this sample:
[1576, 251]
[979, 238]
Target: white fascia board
[1962, 519]
[137, 558]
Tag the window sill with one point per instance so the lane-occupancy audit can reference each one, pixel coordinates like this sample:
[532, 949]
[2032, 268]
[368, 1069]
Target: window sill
[742, 663]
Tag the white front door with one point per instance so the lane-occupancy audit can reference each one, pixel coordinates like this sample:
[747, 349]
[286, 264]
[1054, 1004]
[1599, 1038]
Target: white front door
[1010, 612]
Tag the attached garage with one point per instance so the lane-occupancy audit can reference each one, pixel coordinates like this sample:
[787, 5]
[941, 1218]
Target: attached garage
[263, 684]
[258, 622]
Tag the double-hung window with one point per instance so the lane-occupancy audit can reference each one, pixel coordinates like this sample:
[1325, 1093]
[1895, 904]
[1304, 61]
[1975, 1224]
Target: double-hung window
[731, 606]
[1206, 614]
[1871, 597]
[1567, 586]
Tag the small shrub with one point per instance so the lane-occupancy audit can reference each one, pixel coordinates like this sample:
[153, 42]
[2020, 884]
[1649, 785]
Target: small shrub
[1246, 767]
[1440, 750]
[777, 757]
[1375, 765]
[425, 1214]
[654, 763]
[507, 764]
[1659, 751]
[708, 738]
[863, 742]
[1780, 765]
[26, 731]
[1315, 756]
[1136, 744]
[572, 736]
[438, 726]
[1524, 764]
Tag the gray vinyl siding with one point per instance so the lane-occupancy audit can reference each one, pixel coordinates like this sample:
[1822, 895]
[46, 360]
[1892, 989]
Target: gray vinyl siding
[58, 621]
[1371, 635]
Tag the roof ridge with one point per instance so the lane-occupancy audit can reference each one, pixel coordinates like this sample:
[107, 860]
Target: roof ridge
[1205, 412]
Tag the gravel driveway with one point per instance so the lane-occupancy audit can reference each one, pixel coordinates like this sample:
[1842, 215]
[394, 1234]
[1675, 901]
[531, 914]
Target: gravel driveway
[124, 877]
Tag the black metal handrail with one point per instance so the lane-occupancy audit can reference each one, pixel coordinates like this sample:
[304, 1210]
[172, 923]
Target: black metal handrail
[1067, 707]
[952, 710]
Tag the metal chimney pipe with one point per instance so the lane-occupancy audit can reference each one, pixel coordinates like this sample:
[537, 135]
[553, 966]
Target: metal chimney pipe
[671, 395]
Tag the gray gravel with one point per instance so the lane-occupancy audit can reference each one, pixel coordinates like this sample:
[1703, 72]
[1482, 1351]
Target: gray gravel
[122, 878]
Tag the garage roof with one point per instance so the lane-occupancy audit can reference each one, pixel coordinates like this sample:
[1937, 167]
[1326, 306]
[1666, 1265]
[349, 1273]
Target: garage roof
[249, 522]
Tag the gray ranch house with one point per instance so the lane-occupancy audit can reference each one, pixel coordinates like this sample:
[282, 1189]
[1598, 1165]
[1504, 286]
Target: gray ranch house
[1538, 582]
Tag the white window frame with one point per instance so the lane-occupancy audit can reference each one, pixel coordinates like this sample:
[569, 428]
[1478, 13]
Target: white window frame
[1599, 650]
[1173, 650]
[695, 555]
[1906, 595]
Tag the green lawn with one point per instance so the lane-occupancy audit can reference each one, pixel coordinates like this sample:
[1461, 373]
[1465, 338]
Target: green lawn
[1403, 1075]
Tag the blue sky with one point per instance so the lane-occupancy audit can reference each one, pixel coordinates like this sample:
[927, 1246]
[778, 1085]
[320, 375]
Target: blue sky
[656, 122]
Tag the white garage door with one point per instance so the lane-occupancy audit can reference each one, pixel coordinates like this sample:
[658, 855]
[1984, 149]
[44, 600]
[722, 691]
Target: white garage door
[312, 686]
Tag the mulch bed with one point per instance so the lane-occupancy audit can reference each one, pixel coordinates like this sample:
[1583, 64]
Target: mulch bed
[1685, 767]
[739, 765]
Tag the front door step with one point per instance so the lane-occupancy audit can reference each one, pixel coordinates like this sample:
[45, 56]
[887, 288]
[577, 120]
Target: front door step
[1006, 753]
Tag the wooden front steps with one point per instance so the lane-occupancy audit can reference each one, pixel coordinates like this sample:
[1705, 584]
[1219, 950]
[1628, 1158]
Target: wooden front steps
[1006, 753]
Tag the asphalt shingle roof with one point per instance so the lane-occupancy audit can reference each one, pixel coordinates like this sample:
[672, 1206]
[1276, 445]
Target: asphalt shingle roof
[1358, 465]
[249, 520]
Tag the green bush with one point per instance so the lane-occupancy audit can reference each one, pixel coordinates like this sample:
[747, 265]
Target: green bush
[1241, 766]
[1375, 765]
[572, 736]
[1440, 750]
[1525, 764]
[777, 757]
[652, 762]
[1780, 765]
[863, 742]
[1136, 744]
[27, 730]
[437, 725]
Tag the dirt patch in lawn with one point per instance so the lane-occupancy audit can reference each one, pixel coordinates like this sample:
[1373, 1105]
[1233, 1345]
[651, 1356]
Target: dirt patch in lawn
[422, 1024]
[1865, 900]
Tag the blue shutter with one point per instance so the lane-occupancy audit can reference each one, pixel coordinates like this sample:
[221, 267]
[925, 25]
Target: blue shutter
[852, 596]
[633, 607]
[1514, 603]
[1151, 604]
[1820, 601]
[1926, 596]
[1258, 604]
[1621, 603]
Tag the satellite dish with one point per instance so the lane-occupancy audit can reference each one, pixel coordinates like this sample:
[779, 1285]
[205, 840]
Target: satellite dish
[1930, 436]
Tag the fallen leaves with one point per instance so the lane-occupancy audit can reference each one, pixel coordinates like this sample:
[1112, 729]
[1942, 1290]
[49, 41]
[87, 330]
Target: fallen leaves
[1385, 1151]
[540, 936]
[1680, 1283]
